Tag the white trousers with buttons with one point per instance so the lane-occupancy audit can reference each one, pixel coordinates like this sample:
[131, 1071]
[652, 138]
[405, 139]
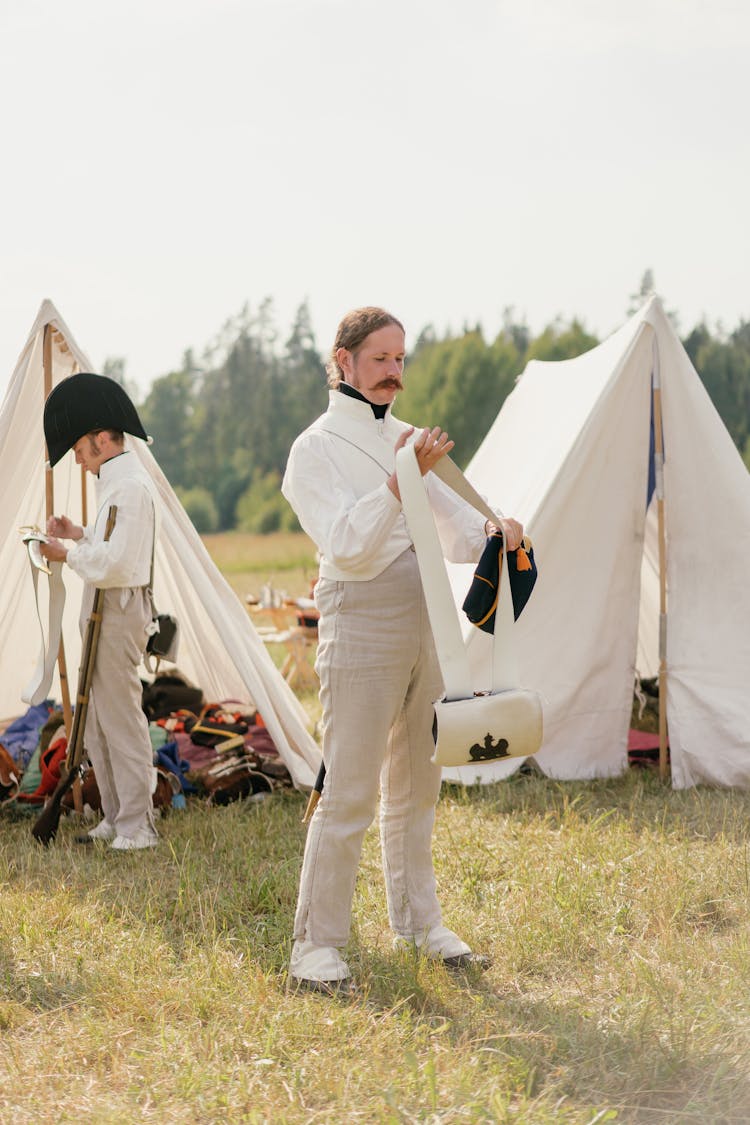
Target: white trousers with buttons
[116, 737]
[379, 677]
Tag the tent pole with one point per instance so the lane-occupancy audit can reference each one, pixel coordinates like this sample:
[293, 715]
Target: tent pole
[47, 366]
[62, 667]
[84, 493]
[659, 473]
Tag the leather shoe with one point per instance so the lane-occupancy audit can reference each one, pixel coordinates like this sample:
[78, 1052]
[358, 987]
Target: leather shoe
[344, 987]
[441, 944]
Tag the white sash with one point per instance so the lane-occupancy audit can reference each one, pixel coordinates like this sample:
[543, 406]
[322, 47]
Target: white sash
[38, 687]
[469, 728]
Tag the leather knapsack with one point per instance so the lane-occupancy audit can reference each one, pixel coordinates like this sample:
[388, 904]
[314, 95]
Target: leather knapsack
[10, 776]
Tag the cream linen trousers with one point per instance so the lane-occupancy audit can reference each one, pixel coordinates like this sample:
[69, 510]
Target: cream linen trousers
[379, 677]
[116, 738]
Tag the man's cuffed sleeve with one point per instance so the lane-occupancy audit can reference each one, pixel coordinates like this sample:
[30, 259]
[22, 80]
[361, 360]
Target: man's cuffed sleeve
[349, 531]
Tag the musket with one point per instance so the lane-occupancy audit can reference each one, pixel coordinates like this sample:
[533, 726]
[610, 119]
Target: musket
[46, 825]
[315, 794]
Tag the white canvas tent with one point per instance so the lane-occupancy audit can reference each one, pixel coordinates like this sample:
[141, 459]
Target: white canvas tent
[569, 454]
[220, 650]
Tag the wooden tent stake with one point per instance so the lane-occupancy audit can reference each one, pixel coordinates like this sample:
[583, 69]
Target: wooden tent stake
[659, 473]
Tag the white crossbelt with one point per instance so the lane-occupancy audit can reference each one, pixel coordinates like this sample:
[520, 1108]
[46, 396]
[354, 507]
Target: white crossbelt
[441, 607]
[451, 651]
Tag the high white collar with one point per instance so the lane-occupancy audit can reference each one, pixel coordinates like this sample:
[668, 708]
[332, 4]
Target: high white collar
[354, 407]
[115, 467]
[124, 465]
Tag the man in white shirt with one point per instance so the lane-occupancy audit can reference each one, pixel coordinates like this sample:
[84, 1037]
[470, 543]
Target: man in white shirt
[376, 659]
[88, 414]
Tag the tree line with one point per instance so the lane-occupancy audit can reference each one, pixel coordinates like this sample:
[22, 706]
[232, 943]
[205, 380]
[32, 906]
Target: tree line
[224, 422]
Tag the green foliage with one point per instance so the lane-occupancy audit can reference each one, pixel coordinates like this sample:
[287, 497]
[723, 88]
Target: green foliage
[236, 416]
[459, 384]
[561, 341]
[152, 987]
[224, 423]
[724, 366]
[200, 507]
[262, 509]
[167, 416]
[305, 393]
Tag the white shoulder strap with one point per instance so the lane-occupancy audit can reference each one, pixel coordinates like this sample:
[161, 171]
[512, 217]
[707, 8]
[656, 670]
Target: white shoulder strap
[450, 474]
[446, 629]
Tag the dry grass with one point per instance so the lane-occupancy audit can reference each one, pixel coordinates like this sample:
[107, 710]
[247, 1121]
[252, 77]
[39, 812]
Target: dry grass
[151, 987]
[286, 560]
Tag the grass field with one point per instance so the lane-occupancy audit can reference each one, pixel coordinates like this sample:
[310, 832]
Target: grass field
[284, 560]
[151, 987]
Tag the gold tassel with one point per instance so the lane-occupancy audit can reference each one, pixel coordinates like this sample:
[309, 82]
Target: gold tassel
[522, 560]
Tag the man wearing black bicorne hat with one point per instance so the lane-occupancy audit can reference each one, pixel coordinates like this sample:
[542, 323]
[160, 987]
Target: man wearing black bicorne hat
[90, 414]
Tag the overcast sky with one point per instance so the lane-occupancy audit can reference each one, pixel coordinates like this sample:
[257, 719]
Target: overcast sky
[165, 161]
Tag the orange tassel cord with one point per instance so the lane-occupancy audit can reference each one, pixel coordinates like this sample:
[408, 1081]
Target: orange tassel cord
[522, 560]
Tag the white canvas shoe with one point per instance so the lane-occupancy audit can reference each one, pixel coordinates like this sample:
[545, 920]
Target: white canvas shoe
[103, 831]
[319, 968]
[144, 838]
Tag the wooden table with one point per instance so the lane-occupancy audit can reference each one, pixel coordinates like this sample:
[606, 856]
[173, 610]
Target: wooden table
[279, 625]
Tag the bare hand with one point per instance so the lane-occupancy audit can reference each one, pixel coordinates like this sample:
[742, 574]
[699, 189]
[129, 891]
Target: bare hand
[430, 446]
[392, 481]
[63, 527]
[54, 551]
[512, 533]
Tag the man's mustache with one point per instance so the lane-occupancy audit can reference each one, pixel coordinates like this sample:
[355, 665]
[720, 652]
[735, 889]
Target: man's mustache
[389, 384]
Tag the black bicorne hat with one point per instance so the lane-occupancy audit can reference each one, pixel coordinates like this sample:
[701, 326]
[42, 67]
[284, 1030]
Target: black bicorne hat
[82, 403]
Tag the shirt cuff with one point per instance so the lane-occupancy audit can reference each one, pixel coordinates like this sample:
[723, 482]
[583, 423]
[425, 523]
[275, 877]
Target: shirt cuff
[393, 502]
[72, 553]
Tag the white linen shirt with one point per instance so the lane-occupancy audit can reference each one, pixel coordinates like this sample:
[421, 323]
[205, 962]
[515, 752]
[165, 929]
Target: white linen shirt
[125, 559]
[340, 495]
